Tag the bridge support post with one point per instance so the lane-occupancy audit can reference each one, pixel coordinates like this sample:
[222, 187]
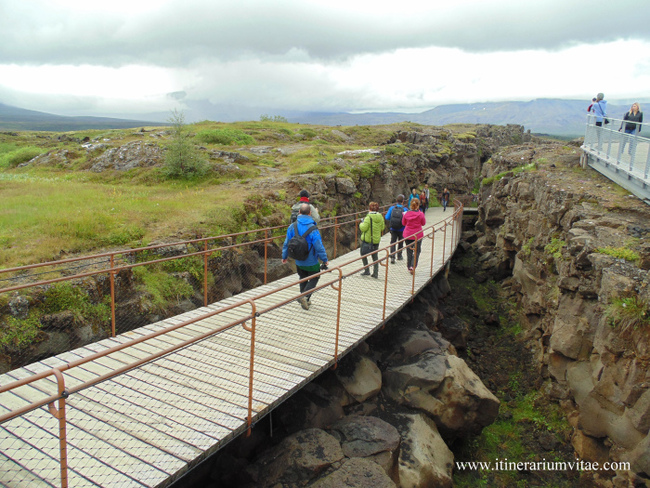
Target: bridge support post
[111, 274]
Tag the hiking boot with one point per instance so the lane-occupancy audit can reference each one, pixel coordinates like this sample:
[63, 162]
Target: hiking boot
[303, 303]
[366, 272]
[375, 275]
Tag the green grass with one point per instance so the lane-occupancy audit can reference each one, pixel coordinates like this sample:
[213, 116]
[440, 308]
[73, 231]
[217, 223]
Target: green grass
[41, 217]
[628, 312]
[514, 171]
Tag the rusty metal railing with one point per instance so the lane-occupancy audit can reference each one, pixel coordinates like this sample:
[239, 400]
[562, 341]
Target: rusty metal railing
[335, 279]
[111, 257]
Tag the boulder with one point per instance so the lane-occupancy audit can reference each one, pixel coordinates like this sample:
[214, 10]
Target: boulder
[368, 437]
[589, 448]
[299, 458]
[313, 406]
[424, 460]
[360, 377]
[446, 389]
[639, 414]
[357, 473]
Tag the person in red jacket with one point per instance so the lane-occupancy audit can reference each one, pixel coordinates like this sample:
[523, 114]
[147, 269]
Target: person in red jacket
[413, 221]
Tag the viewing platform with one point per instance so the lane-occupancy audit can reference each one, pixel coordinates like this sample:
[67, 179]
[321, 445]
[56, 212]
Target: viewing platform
[623, 158]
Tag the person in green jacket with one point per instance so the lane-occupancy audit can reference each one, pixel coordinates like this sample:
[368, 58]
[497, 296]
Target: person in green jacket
[371, 229]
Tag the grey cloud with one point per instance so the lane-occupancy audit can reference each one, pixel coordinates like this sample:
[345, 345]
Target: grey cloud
[181, 32]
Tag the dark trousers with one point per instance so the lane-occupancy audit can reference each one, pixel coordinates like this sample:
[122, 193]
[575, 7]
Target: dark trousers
[395, 236]
[309, 284]
[409, 252]
[375, 256]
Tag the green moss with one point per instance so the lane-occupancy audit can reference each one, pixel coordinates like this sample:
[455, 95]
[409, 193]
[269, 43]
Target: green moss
[15, 332]
[161, 288]
[620, 253]
[554, 248]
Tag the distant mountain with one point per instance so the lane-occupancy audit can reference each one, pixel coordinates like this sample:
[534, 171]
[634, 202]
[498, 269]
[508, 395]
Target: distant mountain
[542, 116]
[557, 117]
[14, 118]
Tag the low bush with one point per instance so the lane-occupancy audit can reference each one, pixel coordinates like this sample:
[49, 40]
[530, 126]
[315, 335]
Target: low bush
[225, 137]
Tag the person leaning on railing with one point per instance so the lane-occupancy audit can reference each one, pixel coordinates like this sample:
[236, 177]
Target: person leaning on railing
[631, 124]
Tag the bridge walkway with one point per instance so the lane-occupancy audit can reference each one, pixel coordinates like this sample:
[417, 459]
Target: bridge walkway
[144, 407]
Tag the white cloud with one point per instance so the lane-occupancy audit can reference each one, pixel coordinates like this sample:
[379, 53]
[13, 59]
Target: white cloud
[314, 55]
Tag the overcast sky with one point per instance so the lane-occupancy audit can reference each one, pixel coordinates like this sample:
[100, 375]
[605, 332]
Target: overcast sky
[137, 56]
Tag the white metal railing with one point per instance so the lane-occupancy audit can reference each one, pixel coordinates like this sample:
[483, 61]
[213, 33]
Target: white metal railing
[630, 153]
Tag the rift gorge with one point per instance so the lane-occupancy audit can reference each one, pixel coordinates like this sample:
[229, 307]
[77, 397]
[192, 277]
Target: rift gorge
[524, 362]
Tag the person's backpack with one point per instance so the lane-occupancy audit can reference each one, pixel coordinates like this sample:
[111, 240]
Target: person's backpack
[295, 210]
[396, 217]
[298, 247]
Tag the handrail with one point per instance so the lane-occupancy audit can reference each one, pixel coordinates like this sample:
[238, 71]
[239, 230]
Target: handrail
[173, 244]
[454, 220]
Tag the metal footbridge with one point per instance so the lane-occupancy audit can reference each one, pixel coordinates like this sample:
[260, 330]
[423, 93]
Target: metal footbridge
[142, 408]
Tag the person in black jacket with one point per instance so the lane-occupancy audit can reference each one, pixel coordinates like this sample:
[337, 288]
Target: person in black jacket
[632, 125]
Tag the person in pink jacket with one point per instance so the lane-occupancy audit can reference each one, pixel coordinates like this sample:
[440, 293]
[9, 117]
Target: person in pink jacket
[413, 221]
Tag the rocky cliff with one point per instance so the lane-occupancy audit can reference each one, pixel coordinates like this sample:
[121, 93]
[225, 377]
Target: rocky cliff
[572, 251]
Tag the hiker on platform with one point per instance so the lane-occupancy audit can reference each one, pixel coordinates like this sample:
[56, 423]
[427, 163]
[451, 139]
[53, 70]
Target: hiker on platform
[445, 199]
[371, 229]
[295, 210]
[413, 221]
[631, 124]
[306, 264]
[394, 218]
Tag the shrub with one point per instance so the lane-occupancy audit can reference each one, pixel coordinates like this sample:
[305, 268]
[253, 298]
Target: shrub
[19, 156]
[225, 137]
[308, 132]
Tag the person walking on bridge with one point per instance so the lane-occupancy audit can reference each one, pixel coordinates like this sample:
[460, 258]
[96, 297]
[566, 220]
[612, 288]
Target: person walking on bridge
[394, 218]
[306, 264]
[371, 229]
[295, 210]
[445, 199]
[413, 221]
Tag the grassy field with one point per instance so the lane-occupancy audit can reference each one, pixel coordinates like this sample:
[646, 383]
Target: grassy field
[60, 207]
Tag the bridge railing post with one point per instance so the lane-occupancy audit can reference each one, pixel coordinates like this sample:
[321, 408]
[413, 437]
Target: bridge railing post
[383, 316]
[111, 275]
[205, 273]
[59, 414]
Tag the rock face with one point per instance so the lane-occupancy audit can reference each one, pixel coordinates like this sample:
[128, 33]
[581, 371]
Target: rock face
[132, 155]
[561, 235]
